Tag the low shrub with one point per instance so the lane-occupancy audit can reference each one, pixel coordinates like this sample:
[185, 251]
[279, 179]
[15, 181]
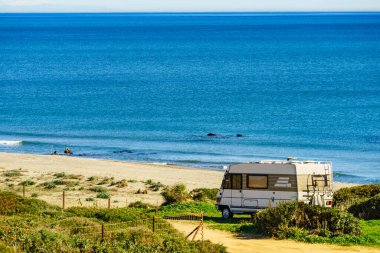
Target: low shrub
[122, 183]
[175, 194]
[98, 189]
[49, 185]
[203, 194]
[27, 183]
[345, 197]
[154, 186]
[282, 221]
[58, 175]
[15, 204]
[103, 195]
[367, 209]
[12, 173]
[139, 191]
[139, 204]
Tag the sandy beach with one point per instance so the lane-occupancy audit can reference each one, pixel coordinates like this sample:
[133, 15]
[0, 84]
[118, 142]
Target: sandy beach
[41, 169]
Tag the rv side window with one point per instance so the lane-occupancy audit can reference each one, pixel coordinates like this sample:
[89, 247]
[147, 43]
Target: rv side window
[257, 181]
[236, 181]
[232, 181]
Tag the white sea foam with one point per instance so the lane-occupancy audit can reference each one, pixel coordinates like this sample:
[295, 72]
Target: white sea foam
[10, 143]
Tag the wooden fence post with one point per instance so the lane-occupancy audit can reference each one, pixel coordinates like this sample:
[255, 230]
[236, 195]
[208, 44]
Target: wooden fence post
[156, 210]
[153, 224]
[102, 231]
[23, 190]
[63, 200]
[109, 203]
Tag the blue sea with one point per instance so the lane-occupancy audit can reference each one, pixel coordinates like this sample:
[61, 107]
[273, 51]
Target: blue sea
[150, 87]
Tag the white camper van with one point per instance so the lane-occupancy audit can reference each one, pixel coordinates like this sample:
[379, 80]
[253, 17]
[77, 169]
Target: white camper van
[249, 187]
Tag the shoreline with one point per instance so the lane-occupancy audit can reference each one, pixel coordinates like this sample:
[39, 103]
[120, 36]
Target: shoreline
[42, 169]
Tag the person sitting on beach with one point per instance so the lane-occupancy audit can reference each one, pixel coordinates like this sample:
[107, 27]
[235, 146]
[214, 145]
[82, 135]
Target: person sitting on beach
[68, 151]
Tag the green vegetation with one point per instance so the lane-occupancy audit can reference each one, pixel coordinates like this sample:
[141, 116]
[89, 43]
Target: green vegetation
[175, 194]
[132, 181]
[204, 194]
[295, 217]
[367, 209]
[346, 197]
[121, 184]
[362, 201]
[154, 186]
[58, 175]
[103, 195]
[27, 183]
[49, 185]
[12, 173]
[98, 189]
[29, 225]
[139, 204]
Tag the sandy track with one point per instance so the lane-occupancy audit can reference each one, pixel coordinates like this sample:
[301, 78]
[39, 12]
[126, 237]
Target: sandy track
[236, 244]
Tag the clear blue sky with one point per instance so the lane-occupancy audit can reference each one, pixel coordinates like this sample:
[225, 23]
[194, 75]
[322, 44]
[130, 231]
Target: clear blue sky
[185, 5]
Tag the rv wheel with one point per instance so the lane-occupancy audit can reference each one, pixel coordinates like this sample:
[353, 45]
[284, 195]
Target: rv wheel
[226, 213]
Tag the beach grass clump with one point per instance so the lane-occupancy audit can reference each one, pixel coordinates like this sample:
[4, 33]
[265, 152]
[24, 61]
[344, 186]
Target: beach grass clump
[105, 180]
[175, 194]
[89, 199]
[345, 197]
[204, 194]
[27, 183]
[12, 173]
[139, 191]
[49, 185]
[154, 186]
[132, 181]
[140, 204]
[98, 189]
[59, 175]
[103, 195]
[121, 184]
[289, 218]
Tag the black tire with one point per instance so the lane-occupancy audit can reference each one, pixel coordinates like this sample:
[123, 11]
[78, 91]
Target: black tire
[226, 213]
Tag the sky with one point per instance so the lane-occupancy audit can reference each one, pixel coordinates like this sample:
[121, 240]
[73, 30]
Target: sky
[186, 5]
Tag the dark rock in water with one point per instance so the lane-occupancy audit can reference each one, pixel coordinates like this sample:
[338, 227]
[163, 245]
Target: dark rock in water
[122, 151]
[211, 134]
[239, 135]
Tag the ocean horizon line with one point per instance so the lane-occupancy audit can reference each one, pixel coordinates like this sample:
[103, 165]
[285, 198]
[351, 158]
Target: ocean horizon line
[205, 12]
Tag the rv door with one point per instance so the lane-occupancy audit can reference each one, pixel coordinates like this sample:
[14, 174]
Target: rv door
[236, 190]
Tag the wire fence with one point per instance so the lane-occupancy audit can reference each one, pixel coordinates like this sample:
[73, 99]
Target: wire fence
[157, 224]
[106, 231]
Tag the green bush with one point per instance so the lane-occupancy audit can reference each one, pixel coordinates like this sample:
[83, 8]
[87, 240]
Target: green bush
[98, 189]
[345, 197]
[103, 195]
[203, 194]
[287, 218]
[367, 209]
[27, 183]
[14, 204]
[12, 173]
[175, 194]
[58, 175]
[49, 185]
[139, 204]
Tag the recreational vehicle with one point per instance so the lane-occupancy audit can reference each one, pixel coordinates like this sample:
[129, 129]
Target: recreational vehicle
[249, 187]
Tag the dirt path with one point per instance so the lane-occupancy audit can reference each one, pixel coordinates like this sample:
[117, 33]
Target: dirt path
[236, 244]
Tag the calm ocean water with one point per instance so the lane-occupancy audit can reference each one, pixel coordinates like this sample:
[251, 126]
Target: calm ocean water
[149, 87]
